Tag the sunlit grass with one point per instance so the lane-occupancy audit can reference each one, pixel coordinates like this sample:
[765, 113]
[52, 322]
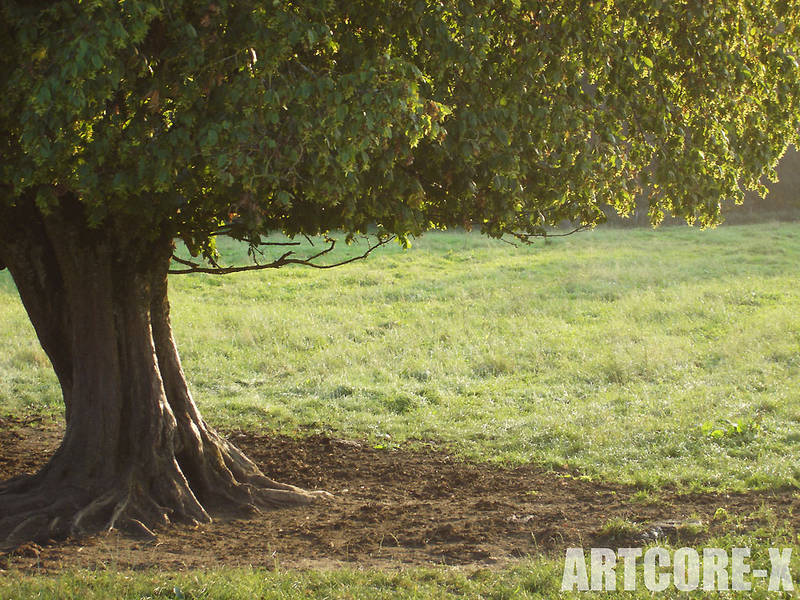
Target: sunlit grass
[650, 357]
[533, 578]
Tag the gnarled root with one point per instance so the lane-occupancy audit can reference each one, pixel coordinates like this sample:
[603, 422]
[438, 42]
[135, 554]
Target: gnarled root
[47, 514]
[43, 507]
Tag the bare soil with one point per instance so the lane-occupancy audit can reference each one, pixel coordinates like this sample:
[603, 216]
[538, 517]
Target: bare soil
[417, 505]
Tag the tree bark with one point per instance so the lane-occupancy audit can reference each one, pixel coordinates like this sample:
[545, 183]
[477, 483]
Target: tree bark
[136, 453]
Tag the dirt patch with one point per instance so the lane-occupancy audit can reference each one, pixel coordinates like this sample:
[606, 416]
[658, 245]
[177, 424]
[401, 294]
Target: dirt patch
[392, 507]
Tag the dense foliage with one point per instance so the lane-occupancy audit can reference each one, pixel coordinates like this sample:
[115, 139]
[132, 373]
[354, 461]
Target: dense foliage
[194, 118]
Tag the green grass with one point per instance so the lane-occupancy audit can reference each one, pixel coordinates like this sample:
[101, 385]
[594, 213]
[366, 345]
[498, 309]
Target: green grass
[534, 578]
[652, 357]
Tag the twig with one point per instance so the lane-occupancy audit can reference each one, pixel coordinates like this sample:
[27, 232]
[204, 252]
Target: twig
[526, 237]
[281, 261]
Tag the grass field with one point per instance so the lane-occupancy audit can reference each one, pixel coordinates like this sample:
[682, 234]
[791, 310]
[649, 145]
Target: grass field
[667, 357]
[687, 340]
[538, 579]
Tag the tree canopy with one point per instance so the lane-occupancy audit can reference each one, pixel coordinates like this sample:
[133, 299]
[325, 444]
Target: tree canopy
[196, 118]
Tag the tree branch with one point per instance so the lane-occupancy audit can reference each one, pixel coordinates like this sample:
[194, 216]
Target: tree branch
[283, 260]
[528, 237]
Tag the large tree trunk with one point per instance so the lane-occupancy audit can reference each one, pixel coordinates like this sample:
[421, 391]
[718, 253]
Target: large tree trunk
[136, 453]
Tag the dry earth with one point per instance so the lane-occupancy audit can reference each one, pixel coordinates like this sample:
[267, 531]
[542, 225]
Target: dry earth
[417, 505]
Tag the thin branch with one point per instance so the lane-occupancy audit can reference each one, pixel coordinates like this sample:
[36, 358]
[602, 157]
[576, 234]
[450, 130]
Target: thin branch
[183, 261]
[213, 262]
[283, 260]
[510, 243]
[527, 237]
[576, 230]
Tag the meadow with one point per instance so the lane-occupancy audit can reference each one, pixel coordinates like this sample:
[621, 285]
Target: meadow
[667, 358]
[686, 340]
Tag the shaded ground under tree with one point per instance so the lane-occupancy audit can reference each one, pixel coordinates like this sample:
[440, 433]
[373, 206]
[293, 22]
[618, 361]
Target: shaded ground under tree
[409, 506]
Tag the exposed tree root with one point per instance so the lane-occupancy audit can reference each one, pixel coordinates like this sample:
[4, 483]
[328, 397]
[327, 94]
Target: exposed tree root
[51, 512]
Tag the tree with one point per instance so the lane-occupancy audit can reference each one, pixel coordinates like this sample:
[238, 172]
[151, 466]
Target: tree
[128, 125]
